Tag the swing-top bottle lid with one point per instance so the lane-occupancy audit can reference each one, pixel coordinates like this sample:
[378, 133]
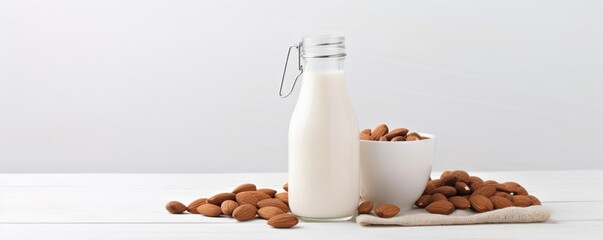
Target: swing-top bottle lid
[323, 47]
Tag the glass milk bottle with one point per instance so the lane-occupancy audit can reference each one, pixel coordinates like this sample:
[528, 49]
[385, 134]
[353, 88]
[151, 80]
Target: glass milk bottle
[323, 135]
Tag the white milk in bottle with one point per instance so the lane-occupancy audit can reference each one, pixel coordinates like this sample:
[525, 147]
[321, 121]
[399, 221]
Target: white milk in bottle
[323, 137]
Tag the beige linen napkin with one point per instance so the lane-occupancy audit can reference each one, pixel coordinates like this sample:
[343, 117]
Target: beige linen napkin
[420, 217]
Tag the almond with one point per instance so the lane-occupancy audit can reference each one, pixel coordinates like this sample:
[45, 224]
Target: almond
[284, 197]
[462, 188]
[244, 212]
[436, 183]
[364, 136]
[512, 185]
[398, 139]
[423, 201]
[445, 174]
[221, 197]
[379, 132]
[440, 207]
[521, 191]
[274, 203]
[387, 210]
[449, 180]
[429, 188]
[228, 207]
[284, 220]
[473, 179]
[491, 182]
[486, 191]
[438, 197]
[269, 212]
[268, 191]
[448, 191]
[244, 188]
[260, 195]
[461, 175]
[460, 202]
[192, 207]
[246, 198]
[477, 185]
[414, 134]
[480, 203]
[503, 188]
[534, 200]
[505, 195]
[424, 138]
[175, 207]
[383, 139]
[209, 210]
[286, 187]
[366, 131]
[522, 201]
[500, 202]
[365, 207]
[398, 132]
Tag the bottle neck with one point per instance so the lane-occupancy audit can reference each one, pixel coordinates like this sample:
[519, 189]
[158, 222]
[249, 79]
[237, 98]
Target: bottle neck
[323, 64]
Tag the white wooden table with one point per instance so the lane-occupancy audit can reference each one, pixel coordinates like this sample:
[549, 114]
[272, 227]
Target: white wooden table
[120, 206]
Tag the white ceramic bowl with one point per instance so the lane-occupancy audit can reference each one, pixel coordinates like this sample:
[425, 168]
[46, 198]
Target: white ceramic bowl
[395, 172]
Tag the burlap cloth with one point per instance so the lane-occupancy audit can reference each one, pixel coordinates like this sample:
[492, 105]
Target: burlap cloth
[420, 217]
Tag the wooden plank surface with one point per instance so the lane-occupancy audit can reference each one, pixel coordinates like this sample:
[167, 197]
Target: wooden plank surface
[91, 206]
[258, 229]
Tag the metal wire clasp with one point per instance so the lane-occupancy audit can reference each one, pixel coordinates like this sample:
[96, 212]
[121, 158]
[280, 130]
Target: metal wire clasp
[300, 67]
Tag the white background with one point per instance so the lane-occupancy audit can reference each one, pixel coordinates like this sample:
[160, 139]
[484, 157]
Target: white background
[191, 86]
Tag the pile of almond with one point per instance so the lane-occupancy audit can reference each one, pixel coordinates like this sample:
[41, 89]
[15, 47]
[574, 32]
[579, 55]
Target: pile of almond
[242, 204]
[382, 133]
[458, 190]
